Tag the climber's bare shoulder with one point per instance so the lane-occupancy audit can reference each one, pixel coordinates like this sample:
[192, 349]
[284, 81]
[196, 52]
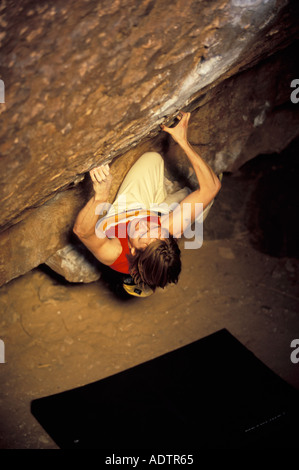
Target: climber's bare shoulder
[105, 249]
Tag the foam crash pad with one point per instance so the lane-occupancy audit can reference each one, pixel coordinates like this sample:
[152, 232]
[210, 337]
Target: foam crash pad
[213, 393]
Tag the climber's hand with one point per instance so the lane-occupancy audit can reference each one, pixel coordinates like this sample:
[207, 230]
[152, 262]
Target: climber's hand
[179, 132]
[101, 179]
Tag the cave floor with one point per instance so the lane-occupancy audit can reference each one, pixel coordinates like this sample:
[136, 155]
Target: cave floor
[59, 335]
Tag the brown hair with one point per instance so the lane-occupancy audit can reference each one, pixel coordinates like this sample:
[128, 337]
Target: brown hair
[158, 265]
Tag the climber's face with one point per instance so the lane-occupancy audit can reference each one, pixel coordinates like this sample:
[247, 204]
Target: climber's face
[144, 232]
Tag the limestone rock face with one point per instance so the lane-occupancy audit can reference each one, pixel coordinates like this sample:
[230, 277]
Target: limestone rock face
[86, 80]
[246, 115]
[91, 81]
[33, 240]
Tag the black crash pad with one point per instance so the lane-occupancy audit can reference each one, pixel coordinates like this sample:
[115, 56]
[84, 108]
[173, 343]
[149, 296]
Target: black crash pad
[211, 394]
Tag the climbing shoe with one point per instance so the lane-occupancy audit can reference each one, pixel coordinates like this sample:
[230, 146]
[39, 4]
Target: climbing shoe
[136, 290]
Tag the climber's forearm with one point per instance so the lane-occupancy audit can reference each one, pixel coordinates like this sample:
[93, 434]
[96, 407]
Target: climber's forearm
[205, 175]
[208, 181]
[87, 218]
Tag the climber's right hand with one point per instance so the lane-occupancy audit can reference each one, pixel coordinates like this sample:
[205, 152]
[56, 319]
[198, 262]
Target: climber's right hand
[101, 180]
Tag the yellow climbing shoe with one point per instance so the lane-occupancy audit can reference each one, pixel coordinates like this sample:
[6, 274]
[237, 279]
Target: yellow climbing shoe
[137, 291]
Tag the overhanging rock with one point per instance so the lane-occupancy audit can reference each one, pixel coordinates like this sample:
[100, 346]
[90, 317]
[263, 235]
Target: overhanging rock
[86, 82]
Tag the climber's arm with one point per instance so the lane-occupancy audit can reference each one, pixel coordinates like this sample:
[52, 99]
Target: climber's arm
[104, 249]
[209, 183]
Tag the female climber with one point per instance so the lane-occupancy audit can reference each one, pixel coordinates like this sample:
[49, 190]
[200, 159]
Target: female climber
[138, 235]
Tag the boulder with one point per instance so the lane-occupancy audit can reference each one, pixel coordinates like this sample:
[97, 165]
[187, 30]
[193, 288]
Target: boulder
[89, 82]
[46, 235]
[246, 115]
[75, 264]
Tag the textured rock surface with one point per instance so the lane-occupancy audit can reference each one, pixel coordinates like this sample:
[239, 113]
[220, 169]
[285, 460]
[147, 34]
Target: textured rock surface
[86, 82]
[33, 240]
[246, 115]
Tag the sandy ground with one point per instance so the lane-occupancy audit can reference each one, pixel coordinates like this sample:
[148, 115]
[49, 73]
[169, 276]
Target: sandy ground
[59, 336]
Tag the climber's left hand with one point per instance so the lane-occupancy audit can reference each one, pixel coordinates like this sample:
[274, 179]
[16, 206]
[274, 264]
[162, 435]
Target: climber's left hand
[179, 132]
